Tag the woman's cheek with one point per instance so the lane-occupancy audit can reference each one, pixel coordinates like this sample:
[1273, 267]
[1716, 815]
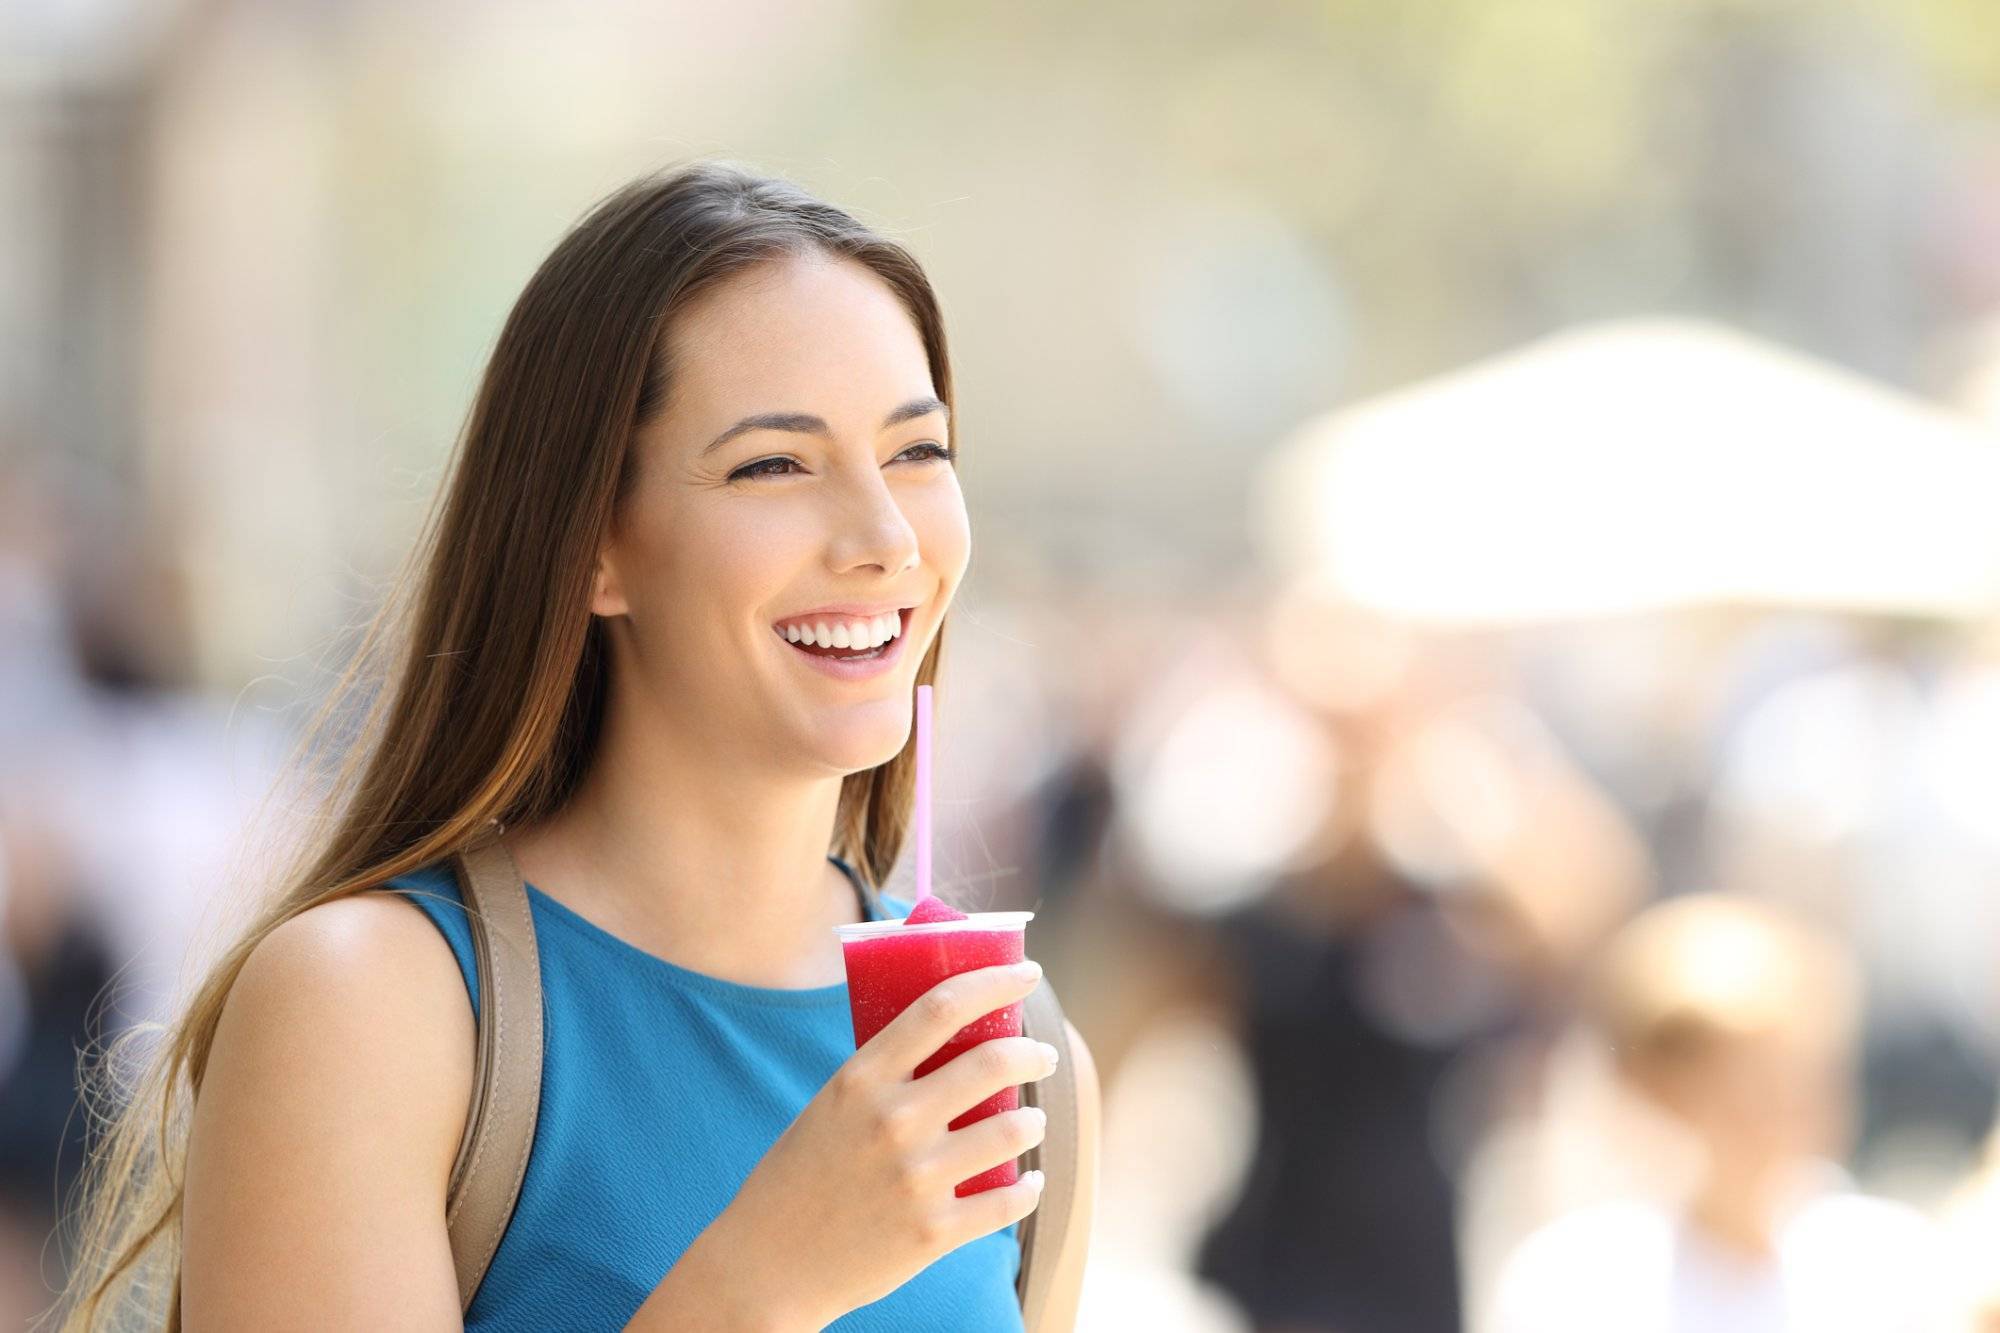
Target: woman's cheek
[758, 549]
[944, 532]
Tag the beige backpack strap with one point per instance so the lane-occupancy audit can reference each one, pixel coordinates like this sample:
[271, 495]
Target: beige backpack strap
[1042, 1232]
[507, 1075]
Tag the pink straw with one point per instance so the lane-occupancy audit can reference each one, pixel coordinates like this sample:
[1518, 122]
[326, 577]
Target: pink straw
[923, 792]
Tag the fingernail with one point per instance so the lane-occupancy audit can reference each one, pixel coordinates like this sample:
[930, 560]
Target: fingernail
[1033, 1180]
[1028, 970]
[1054, 1055]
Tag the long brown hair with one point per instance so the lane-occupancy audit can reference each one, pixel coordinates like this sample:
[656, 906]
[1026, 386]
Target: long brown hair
[492, 672]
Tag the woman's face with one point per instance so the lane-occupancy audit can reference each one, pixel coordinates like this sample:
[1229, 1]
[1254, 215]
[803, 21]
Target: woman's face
[719, 545]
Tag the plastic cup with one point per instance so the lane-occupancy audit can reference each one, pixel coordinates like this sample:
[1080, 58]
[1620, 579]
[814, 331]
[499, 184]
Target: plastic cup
[890, 964]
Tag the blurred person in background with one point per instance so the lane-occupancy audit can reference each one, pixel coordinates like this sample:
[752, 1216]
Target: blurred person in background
[1420, 937]
[1735, 1023]
[104, 797]
[1350, 1024]
[55, 961]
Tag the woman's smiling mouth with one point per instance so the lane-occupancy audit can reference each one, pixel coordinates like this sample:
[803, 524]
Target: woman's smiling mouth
[845, 645]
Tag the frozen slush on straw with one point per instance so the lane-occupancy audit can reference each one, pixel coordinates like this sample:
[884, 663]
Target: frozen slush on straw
[932, 909]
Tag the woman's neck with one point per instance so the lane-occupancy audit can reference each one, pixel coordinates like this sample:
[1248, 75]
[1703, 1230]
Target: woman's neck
[715, 865]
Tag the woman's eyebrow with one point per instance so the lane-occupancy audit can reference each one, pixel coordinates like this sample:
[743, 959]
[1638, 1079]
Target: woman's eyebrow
[805, 424]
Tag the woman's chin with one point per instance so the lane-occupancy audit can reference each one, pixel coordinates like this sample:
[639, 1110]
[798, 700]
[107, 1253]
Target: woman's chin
[854, 743]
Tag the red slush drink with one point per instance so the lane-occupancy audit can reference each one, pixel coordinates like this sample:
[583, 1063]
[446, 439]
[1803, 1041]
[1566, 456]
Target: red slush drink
[889, 964]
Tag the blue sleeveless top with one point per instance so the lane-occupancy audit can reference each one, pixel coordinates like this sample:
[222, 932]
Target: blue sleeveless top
[662, 1088]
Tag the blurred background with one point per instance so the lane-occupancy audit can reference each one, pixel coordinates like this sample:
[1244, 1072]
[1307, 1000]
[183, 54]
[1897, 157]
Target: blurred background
[1448, 480]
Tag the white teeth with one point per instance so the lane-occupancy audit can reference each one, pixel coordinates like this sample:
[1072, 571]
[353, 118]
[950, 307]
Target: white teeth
[863, 634]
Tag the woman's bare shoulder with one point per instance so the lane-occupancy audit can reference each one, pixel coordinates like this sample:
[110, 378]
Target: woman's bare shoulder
[374, 979]
[329, 1117]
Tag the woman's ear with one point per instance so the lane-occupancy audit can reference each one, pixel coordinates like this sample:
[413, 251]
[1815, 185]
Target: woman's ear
[607, 598]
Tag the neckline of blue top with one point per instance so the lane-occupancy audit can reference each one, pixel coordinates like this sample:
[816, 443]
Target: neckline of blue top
[808, 997]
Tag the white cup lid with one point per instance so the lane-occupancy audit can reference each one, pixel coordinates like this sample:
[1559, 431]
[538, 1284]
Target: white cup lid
[862, 930]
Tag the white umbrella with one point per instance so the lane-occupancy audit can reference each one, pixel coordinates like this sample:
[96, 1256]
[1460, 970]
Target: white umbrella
[1639, 465]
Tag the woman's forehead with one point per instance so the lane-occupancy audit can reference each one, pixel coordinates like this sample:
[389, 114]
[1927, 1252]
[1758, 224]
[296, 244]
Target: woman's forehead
[820, 336]
[796, 302]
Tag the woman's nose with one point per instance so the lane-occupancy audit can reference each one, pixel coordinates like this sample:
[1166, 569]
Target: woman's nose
[872, 529]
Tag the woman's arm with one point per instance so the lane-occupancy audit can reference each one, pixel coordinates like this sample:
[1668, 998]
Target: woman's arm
[323, 1138]
[706, 1289]
[1067, 1289]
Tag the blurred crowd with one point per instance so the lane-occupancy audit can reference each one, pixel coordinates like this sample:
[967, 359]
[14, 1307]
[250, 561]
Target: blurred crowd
[1637, 974]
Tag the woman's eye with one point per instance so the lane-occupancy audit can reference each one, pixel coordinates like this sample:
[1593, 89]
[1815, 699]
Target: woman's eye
[771, 467]
[763, 467]
[932, 449]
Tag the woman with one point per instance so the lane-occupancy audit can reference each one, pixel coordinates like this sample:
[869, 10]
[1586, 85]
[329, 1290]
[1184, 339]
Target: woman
[717, 414]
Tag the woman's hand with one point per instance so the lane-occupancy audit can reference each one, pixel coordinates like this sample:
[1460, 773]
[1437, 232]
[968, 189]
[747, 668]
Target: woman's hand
[856, 1196]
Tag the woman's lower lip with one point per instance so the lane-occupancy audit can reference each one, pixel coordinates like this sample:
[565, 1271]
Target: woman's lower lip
[864, 668]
